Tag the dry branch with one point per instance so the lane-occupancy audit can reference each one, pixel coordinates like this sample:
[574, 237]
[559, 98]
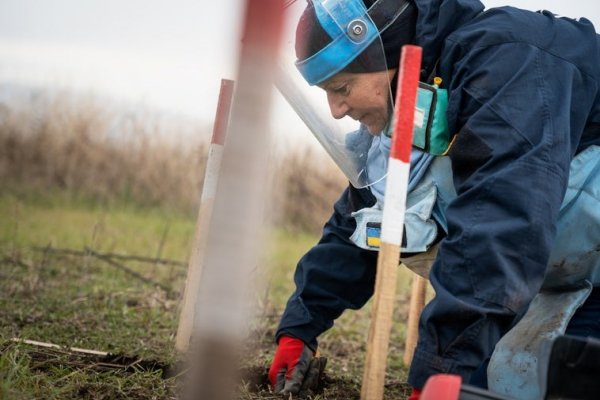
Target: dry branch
[125, 269]
[50, 353]
[123, 257]
[108, 258]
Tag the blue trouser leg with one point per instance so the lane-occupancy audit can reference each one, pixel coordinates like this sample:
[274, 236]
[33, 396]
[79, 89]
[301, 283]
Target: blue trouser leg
[479, 377]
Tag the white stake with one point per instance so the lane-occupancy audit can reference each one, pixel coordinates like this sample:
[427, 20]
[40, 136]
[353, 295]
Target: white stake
[209, 188]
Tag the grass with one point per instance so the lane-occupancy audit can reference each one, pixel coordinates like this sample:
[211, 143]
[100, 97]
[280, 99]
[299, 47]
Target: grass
[120, 229]
[85, 302]
[78, 175]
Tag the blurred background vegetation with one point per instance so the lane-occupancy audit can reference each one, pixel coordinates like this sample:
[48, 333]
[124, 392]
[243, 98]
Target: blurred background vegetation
[86, 189]
[72, 147]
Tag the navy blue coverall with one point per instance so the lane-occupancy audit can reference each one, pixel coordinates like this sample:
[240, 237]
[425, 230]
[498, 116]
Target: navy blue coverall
[523, 101]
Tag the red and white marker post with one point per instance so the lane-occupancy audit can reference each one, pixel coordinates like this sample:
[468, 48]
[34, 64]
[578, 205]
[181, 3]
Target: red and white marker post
[209, 188]
[234, 242]
[392, 225]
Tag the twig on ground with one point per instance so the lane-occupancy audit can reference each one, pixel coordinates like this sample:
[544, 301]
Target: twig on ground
[15, 261]
[85, 359]
[112, 255]
[128, 270]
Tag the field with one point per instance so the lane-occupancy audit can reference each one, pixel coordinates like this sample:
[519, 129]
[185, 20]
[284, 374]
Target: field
[97, 261]
[82, 300]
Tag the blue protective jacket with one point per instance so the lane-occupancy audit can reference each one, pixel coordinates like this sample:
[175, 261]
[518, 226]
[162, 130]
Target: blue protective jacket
[524, 99]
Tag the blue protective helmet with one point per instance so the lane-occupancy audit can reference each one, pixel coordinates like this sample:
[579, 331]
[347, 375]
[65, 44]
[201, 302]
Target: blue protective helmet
[352, 35]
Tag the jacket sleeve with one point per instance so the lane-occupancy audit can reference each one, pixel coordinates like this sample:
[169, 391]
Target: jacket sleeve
[332, 276]
[517, 130]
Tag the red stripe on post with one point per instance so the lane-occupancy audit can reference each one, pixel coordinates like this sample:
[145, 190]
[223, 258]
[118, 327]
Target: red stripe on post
[261, 36]
[264, 25]
[406, 97]
[223, 109]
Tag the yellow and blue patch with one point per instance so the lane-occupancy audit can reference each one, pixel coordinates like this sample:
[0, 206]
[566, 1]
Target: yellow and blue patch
[373, 234]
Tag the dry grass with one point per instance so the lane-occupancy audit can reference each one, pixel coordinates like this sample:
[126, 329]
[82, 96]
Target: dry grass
[76, 145]
[79, 147]
[307, 185]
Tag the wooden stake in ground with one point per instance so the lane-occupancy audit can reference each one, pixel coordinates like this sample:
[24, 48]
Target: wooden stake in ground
[417, 302]
[235, 236]
[392, 225]
[211, 176]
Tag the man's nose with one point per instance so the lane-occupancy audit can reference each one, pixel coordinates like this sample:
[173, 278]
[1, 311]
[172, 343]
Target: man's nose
[339, 108]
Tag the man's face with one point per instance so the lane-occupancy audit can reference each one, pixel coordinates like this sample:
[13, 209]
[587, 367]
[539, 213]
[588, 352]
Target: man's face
[364, 97]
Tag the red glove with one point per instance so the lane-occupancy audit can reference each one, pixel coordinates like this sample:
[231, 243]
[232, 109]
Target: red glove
[415, 394]
[290, 365]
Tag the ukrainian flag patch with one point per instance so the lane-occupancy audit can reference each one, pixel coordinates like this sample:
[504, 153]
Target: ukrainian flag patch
[373, 234]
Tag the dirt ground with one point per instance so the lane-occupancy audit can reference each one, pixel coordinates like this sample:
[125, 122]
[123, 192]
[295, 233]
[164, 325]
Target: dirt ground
[330, 387]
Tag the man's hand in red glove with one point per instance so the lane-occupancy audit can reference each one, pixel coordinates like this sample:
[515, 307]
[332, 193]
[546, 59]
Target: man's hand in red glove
[294, 367]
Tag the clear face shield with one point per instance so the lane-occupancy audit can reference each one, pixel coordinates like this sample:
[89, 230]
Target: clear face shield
[340, 85]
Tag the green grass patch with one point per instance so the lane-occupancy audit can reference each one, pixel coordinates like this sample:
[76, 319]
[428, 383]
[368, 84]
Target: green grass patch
[80, 300]
[123, 228]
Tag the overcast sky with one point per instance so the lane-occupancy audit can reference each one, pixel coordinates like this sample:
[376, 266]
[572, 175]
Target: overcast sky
[165, 54]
